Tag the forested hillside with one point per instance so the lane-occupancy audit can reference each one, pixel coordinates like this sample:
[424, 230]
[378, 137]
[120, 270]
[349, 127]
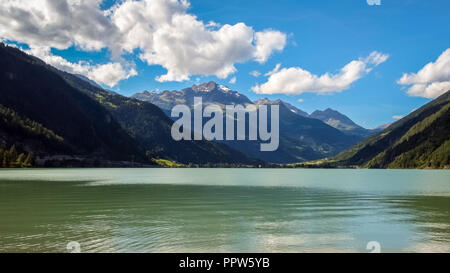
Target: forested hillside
[73, 123]
[63, 119]
[419, 140]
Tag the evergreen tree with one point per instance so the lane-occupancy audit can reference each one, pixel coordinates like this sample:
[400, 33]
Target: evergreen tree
[28, 162]
[19, 160]
[13, 152]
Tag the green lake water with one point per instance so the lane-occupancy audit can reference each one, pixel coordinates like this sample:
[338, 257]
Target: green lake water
[224, 210]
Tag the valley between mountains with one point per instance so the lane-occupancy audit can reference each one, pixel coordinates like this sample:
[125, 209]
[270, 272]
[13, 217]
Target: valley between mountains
[52, 118]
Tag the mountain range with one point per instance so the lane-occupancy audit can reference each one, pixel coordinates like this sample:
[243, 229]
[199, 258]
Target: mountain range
[212, 92]
[301, 136]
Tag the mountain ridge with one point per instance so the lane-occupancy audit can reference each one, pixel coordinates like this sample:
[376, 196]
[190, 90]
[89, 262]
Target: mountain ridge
[301, 138]
[210, 92]
[166, 100]
[340, 122]
[34, 92]
[419, 140]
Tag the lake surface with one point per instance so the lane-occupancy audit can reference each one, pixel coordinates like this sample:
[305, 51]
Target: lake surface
[224, 210]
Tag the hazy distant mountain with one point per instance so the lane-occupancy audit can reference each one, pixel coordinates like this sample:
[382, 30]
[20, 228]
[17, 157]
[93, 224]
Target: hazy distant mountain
[340, 122]
[381, 127]
[62, 116]
[330, 117]
[419, 140]
[301, 138]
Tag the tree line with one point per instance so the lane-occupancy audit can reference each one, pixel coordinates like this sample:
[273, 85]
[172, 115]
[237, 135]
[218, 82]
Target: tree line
[9, 118]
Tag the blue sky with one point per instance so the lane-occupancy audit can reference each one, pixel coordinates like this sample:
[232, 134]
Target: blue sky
[321, 37]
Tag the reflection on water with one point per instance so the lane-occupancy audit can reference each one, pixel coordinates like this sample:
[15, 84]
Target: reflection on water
[429, 215]
[194, 211]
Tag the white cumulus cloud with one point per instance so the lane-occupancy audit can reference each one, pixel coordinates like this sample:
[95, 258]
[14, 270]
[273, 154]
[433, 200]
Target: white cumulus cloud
[295, 80]
[162, 32]
[266, 42]
[432, 80]
[109, 74]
